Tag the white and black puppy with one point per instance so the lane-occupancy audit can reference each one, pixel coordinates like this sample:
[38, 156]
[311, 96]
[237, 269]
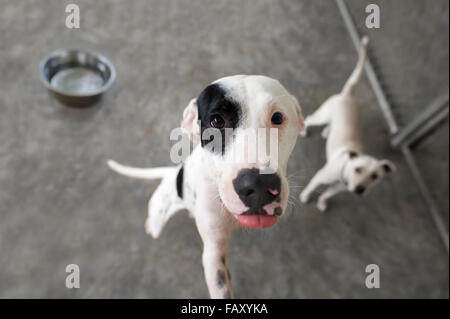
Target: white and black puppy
[220, 192]
[347, 167]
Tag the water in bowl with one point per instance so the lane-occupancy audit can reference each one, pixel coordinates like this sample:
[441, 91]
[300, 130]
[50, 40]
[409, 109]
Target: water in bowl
[77, 81]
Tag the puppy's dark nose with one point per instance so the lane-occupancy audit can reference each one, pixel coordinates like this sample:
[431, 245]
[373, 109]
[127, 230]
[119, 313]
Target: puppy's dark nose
[255, 189]
[360, 189]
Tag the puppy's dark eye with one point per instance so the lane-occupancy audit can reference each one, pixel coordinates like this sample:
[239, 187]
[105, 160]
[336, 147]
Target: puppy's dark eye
[374, 176]
[217, 122]
[358, 170]
[277, 118]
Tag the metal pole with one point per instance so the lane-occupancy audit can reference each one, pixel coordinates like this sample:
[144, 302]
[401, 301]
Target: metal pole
[434, 211]
[427, 128]
[434, 108]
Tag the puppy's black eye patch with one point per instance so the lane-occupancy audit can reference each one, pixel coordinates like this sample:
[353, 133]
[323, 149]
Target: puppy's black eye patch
[374, 176]
[277, 118]
[217, 110]
[358, 170]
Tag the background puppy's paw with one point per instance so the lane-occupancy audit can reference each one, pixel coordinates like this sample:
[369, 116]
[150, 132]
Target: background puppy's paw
[322, 206]
[304, 198]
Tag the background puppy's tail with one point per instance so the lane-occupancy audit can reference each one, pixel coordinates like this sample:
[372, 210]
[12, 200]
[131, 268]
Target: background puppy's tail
[356, 74]
[142, 173]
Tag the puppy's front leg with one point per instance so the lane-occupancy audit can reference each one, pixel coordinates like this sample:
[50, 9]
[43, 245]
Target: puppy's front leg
[214, 227]
[324, 176]
[217, 275]
[327, 194]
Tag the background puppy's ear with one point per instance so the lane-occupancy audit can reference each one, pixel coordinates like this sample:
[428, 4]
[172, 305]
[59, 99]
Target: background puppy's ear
[352, 154]
[388, 166]
[189, 123]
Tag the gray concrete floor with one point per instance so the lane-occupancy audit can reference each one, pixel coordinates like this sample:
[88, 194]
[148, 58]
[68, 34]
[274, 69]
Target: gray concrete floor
[59, 204]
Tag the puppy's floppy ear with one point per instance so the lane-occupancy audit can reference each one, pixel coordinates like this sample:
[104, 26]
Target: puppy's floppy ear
[189, 123]
[388, 166]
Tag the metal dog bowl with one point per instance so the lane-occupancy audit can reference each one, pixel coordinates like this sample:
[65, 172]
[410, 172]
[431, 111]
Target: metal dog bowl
[76, 77]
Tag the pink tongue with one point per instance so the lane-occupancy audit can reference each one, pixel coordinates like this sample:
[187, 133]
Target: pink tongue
[257, 221]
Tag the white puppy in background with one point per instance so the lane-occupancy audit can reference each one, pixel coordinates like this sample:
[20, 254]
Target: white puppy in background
[347, 167]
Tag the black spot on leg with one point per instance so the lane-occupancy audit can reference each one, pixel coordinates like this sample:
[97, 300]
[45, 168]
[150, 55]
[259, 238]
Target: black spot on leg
[229, 275]
[221, 279]
[223, 260]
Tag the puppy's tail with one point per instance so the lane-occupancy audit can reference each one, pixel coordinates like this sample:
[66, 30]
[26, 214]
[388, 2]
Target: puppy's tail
[356, 74]
[141, 173]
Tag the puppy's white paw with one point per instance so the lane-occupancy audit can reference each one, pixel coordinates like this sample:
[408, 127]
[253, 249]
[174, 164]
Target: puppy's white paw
[304, 197]
[322, 206]
[148, 227]
[149, 230]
